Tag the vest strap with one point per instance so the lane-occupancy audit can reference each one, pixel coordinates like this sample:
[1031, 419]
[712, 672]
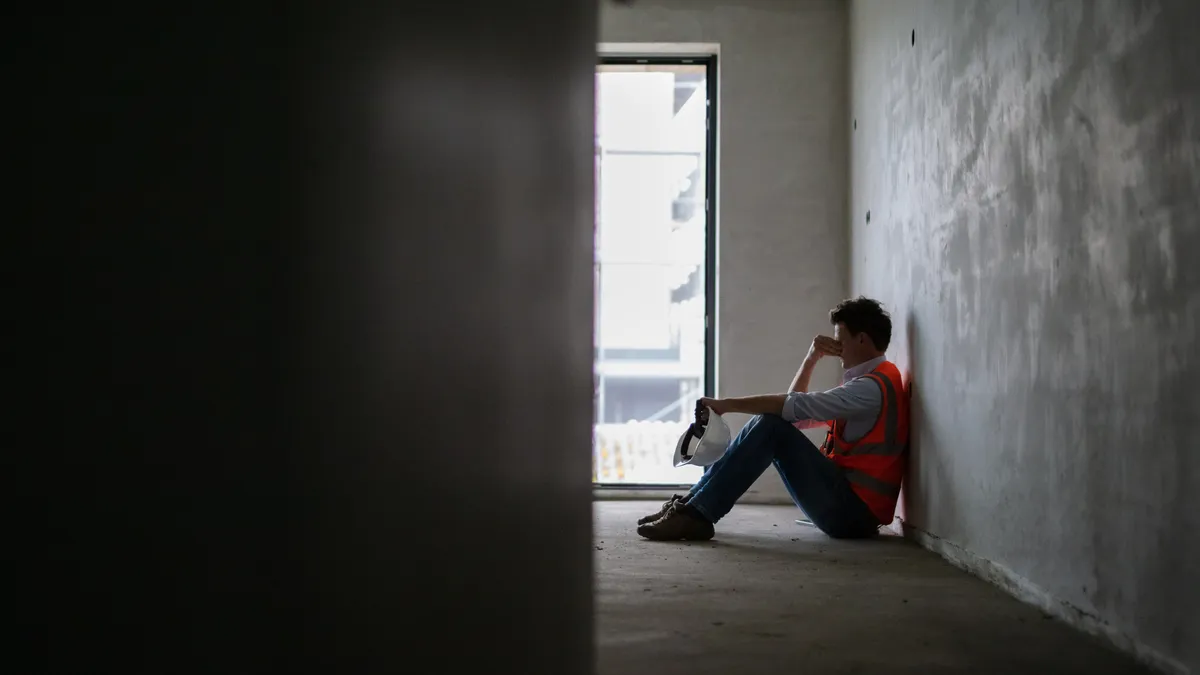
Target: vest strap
[893, 412]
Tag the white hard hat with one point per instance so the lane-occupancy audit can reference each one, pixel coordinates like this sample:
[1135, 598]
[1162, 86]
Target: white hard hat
[713, 440]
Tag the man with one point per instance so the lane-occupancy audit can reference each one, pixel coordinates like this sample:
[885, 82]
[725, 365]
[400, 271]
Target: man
[849, 486]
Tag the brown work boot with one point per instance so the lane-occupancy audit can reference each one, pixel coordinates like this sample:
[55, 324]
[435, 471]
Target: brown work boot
[681, 522]
[662, 511]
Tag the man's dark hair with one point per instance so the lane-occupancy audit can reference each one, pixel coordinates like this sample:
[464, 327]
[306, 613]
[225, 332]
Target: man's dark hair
[864, 315]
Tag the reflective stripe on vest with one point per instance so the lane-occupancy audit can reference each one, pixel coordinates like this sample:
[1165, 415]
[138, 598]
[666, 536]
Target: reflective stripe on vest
[872, 483]
[884, 449]
[893, 413]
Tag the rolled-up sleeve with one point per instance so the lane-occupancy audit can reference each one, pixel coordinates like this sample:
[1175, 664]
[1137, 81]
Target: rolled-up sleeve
[857, 398]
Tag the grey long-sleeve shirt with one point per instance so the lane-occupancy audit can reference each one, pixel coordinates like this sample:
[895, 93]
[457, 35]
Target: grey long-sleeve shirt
[858, 401]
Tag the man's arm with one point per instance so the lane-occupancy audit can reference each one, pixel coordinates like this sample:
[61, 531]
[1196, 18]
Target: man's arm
[773, 404]
[800, 381]
[766, 404]
[821, 346]
[859, 397]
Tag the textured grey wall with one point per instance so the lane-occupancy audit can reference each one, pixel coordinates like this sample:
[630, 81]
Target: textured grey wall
[1030, 170]
[782, 241]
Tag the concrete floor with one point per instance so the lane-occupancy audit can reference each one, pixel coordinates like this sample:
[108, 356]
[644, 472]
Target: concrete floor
[771, 596]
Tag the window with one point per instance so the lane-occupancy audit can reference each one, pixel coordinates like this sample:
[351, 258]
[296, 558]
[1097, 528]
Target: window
[655, 141]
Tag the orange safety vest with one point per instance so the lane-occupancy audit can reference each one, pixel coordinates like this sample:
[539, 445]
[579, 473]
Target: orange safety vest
[874, 464]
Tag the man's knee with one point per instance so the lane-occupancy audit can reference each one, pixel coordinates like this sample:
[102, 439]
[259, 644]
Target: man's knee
[764, 428]
[769, 421]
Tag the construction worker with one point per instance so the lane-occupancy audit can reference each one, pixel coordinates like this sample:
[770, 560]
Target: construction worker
[849, 486]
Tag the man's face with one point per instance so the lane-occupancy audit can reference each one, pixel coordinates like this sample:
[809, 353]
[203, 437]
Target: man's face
[854, 347]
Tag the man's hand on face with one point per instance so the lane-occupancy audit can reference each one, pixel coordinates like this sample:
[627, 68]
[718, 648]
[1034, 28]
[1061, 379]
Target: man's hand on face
[823, 345]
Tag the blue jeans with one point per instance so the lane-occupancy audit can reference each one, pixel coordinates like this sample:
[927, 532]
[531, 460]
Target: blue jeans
[816, 484]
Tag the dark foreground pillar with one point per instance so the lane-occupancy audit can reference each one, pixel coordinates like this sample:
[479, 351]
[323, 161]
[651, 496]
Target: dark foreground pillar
[312, 311]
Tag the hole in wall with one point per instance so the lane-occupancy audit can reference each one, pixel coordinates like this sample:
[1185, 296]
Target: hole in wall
[868, 217]
[856, 124]
[914, 37]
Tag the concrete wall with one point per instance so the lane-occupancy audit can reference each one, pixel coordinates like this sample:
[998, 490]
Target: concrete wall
[1030, 170]
[782, 239]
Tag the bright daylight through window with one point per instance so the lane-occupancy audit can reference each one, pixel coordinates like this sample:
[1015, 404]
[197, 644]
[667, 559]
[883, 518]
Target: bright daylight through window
[651, 266]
